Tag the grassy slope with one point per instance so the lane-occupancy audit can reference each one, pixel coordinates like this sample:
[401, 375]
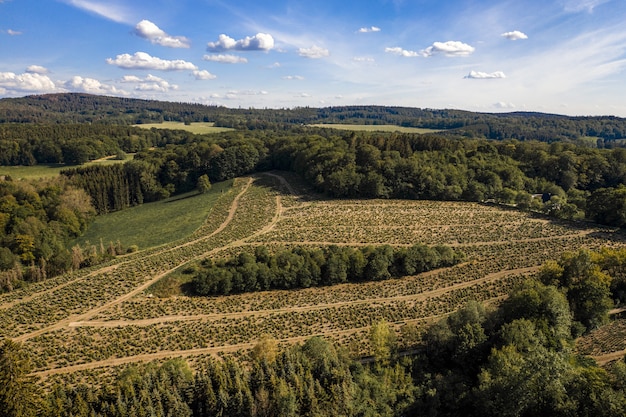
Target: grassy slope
[156, 223]
[197, 128]
[375, 128]
[51, 170]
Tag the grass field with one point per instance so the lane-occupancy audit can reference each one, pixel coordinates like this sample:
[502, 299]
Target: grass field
[52, 170]
[375, 128]
[92, 323]
[155, 223]
[197, 128]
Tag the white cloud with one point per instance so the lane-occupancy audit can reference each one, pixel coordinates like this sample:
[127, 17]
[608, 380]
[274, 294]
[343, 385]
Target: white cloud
[148, 30]
[449, 48]
[142, 60]
[396, 50]
[369, 29]
[367, 59]
[477, 75]
[576, 6]
[226, 59]
[107, 9]
[150, 83]
[31, 82]
[130, 79]
[203, 75]
[504, 105]
[258, 42]
[313, 52]
[293, 77]
[91, 85]
[13, 32]
[514, 35]
[37, 69]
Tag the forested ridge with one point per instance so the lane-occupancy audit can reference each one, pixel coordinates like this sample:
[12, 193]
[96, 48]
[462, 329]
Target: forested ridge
[84, 108]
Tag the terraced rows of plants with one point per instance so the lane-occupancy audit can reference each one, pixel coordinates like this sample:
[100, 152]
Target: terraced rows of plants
[607, 339]
[108, 313]
[404, 222]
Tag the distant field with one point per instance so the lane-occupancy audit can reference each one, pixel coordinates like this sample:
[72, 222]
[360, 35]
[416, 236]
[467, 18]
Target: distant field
[197, 128]
[375, 128]
[155, 223]
[52, 170]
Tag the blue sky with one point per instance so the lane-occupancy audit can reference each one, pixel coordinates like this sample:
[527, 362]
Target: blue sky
[561, 56]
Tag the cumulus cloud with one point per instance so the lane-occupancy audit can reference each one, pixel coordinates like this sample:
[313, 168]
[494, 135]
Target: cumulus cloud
[90, 85]
[37, 69]
[130, 79]
[226, 59]
[258, 42]
[449, 48]
[148, 30]
[396, 50]
[313, 52]
[293, 77]
[149, 83]
[504, 105]
[367, 59]
[13, 32]
[203, 75]
[142, 60]
[514, 35]
[31, 82]
[369, 29]
[477, 75]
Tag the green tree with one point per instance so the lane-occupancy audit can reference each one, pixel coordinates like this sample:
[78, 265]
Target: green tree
[19, 394]
[203, 185]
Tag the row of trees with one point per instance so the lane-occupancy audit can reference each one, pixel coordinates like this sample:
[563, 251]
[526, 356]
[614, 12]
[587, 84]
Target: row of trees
[301, 267]
[514, 360]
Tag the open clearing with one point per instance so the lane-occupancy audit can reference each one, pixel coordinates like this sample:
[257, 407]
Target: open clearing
[155, 223]
[198, 128]
[52, 170]
[375, 128]
[82, 325]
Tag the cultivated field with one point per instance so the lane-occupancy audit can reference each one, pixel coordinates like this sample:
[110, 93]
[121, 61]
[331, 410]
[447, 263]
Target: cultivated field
[84, 326]
[375, 128]
[199, 128]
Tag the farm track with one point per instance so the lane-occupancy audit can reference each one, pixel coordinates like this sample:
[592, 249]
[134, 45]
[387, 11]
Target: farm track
[273, 208]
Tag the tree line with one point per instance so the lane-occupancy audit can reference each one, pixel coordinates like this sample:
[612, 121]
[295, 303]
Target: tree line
[86, 108]
[301, 267]
[516, 359]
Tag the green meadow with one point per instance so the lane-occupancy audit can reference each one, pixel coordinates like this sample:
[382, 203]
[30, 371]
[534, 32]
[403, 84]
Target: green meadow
[52, 170]
[154, 224]
[197, 128]
[374, 128]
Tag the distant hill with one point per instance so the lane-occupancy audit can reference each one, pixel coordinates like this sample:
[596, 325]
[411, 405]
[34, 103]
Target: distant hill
[86, 108]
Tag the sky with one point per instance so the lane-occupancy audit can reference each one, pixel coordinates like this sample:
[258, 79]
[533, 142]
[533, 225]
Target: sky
[553, 56]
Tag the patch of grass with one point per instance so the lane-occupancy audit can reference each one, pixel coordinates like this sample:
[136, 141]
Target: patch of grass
[375, 128]
[197, 128]
[155, 223]
[52, 170]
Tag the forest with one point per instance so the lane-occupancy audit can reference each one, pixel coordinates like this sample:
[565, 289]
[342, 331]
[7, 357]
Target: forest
[514, 358]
